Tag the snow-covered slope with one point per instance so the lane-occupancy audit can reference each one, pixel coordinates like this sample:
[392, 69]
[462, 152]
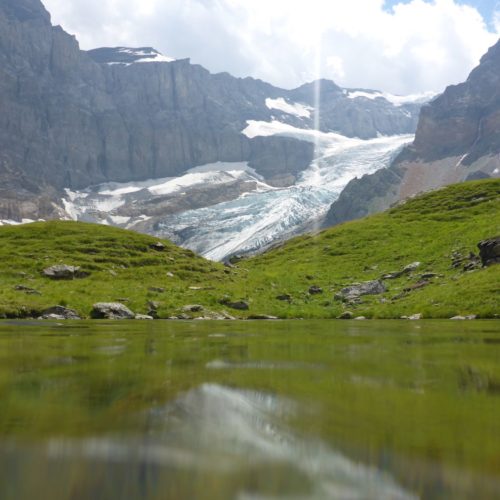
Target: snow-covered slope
[127, 55]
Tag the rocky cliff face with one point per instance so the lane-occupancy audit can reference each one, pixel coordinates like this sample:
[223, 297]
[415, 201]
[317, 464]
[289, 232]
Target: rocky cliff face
[457, 139]
[70, 119]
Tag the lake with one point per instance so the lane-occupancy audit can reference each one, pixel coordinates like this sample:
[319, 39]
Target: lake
[250, 410]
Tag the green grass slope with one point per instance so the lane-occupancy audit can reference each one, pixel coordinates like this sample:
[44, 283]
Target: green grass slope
[123, 266]
[427, 229]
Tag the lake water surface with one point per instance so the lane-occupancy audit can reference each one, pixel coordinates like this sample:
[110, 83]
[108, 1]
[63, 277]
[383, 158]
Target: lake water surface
[250, 410]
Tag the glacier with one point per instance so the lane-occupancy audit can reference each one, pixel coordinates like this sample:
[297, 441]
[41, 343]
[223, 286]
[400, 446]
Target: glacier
[260, 216]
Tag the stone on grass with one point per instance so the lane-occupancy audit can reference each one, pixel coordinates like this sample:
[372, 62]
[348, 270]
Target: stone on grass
[193, 308]
[111, 310]
[63, 272]
[315, 290]
[411, 267]
[158, 246]
[354, 291]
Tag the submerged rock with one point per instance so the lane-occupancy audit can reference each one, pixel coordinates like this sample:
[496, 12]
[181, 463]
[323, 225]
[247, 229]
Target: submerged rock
[111, 310]
[262, 317]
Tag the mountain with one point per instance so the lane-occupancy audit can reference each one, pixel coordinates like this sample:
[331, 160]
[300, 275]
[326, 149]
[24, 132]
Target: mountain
[72, 119]
[457, 139]
[414, 272]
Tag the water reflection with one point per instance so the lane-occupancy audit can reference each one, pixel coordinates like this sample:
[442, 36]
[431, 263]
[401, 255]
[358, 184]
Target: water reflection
[230, 443]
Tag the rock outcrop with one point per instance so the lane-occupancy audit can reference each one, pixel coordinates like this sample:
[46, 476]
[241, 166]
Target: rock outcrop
[70, 118]
[457, 139]
[489, 251]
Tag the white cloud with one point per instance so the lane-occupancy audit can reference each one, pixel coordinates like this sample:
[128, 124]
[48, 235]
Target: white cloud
[417, 46]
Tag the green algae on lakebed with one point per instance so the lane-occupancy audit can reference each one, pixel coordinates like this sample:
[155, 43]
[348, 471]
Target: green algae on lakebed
[216, 410]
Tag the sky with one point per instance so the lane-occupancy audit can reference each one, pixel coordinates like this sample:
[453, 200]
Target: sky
[398, 46]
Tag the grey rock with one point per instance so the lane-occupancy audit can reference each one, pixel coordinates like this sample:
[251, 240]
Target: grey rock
[315, 290]
[60, 311]
[156, 289]
[62, 272]
[143, 317]
[411, 267]
[354, 291]
[27, 290]
[360, 318]
[111, 310]
[415, 317]
[463, 318]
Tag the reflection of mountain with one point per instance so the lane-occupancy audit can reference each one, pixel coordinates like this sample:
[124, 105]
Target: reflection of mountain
[72, 119]
[458, 138]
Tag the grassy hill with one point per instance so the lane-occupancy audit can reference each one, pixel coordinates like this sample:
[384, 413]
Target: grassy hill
[429, 229]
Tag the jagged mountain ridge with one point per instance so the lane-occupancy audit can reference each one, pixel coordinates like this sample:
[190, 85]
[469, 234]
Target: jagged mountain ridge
[68, 121]
[457, 139]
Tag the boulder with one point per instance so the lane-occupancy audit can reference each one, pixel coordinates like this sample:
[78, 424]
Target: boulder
[61, 312]
[360, 318]
[489, 251]
[415, 317]
[63, 272]
[143, 316]
[315, 290]
[111, 310]
[354, 291]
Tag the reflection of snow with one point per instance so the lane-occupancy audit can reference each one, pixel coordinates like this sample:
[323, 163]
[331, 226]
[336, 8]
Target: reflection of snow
[226, 432]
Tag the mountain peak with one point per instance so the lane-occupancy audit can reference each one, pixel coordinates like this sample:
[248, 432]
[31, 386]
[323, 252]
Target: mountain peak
[24, 10]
